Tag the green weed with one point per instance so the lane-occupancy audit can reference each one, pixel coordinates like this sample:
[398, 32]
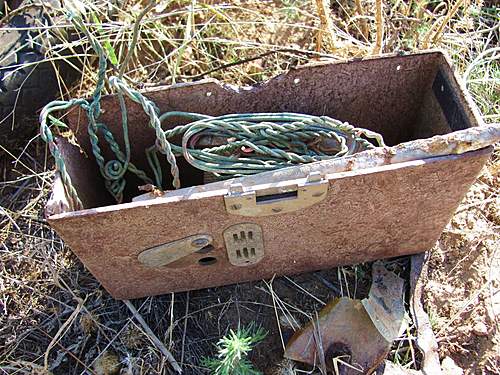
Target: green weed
[233, 350]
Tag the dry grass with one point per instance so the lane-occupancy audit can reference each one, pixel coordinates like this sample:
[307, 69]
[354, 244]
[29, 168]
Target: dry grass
[55, 317]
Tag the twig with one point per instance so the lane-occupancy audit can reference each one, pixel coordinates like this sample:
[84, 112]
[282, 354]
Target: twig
[67, 351]
[326, 25]
[319, 344]
[271, 291]
[135, 35]
[244, 61]
[379, 19]
[328, 284]
[361, 13]
[448, 17]
[426, 341]
[478, 61]
[154, 339]
[185, 328]
[60, 333]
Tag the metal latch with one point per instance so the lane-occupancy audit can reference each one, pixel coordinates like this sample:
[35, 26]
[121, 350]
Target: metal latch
[169, 252]
[244, 244]
[277, 199]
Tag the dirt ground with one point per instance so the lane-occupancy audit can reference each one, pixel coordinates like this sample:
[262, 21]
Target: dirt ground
[462, 294]
[55, 318]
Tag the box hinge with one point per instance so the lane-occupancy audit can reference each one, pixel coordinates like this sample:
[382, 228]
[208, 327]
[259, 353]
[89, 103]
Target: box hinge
[278, 199]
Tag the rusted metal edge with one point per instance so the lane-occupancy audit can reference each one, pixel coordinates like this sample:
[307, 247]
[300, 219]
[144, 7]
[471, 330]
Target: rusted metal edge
[426, 341]
[327, 61]
[261, 180]
[455, 143]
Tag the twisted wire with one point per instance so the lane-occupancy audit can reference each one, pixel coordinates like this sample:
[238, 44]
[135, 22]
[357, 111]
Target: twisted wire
[252, 142]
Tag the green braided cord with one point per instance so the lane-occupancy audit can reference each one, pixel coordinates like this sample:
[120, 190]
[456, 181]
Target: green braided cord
[114, 170]
[46, 134]
[278, 140]
[152, 111]
[253, 142]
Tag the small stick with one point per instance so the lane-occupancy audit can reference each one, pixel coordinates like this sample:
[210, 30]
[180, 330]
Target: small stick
[426, 341]
[243, 61]
[379, 19]
[154, 339]
[326, 26]
[185, 327]
[135, 35]
[319, 345]
[61, 332]
[448, 17]
[361, 12]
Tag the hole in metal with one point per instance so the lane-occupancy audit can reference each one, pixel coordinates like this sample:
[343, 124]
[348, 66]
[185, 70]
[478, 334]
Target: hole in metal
[205, 249]
[207, 261]
[266, 198]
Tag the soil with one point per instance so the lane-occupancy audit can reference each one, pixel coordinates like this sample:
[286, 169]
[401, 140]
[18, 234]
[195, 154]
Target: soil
[462, 292]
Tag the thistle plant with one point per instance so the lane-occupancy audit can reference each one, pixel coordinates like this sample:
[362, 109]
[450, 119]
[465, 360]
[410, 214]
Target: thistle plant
[232, 352]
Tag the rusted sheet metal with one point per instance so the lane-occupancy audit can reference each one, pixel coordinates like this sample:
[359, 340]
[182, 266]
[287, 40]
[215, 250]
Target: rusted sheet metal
[359, 333]
[343, 330]
[395, 210]
[380, 203]
[385, 303]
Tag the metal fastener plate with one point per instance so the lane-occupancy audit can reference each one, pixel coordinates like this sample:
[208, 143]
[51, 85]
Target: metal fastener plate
[280, 198]
[171, 251]
[244, 244]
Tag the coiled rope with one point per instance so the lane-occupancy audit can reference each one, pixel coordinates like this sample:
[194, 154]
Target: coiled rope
[251, 142]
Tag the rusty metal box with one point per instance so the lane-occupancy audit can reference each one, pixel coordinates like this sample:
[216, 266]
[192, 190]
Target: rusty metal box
[379, 203]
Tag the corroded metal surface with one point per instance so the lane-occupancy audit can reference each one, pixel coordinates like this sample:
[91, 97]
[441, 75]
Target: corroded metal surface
[360, 333]
[172, 251]
[380, 203]
[394, 210]
[385, 302]
[343, 330]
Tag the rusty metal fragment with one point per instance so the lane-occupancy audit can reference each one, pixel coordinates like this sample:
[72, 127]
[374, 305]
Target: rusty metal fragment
[426, 341]
[344, 331]
[359, 333]
[385, 304]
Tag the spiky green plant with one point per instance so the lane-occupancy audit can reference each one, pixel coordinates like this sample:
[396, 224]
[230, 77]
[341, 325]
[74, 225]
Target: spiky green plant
[232, 352]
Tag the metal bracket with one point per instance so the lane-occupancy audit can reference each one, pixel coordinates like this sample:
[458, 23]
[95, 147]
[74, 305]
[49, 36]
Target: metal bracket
[277, 199]
[171, 251]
